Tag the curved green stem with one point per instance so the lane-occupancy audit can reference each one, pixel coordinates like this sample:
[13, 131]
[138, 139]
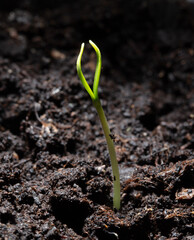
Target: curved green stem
[112, 153]
[94, 96]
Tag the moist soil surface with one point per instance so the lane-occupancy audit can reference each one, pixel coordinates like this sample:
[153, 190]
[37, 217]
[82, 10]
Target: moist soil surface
[55, 174]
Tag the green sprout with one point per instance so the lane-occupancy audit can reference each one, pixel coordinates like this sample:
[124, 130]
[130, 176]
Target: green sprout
[96, 102]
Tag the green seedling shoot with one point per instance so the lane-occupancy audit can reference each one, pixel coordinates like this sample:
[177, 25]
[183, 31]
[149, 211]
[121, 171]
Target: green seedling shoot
[96, 102]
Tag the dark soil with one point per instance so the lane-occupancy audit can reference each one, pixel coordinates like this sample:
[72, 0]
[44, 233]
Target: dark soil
[55, 174]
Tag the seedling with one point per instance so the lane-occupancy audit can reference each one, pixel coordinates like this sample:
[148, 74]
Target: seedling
[96, 102]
